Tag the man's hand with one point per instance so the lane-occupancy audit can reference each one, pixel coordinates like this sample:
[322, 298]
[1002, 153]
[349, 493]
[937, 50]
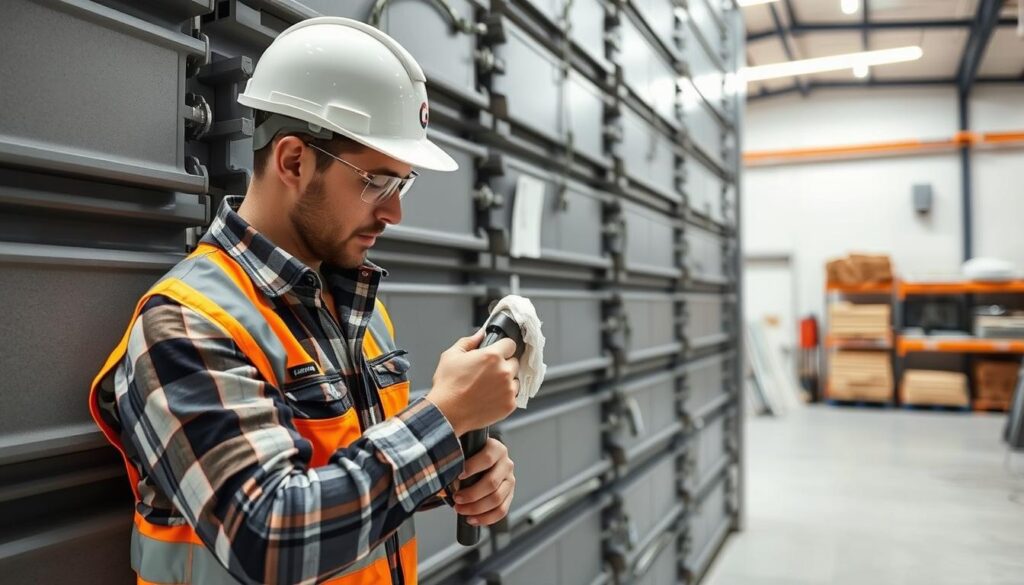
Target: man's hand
[489, 499]
[475, 388]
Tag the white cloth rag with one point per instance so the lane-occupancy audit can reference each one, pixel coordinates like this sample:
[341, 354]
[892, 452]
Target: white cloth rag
[531, 363]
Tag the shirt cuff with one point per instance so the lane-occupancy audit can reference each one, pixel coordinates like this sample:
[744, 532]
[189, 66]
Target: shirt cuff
[421, 447]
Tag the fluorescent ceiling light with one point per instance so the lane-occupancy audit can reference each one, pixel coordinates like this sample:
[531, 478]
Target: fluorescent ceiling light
[860, 70]
[833, 63]
[745, 3]
[849, 6]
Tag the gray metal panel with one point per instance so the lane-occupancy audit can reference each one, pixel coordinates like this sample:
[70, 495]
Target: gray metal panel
[588, 28]
[568, 432]
[121, 78]
[572, 326]
[540, 99]
[650, 496]
[532, 83]
[705, 319]
[705, 258]
[568, 553]
[651, 400]
[91, 550]
[649, 155]
[103, 300]
[664, 90]
[587, 19]
[448, 57]
[646, 72]
[663, 570]
[708, 522]
[428, 320]
[634, 57]
[585, 111]
[706, 72]
[652, 325]
[705, 192]
[707, 25]
[650, 240]
[708, 449]
[440, 208]
[572, 232]
[660, 16]
[718, 7]
[705, 384]
[703, 127]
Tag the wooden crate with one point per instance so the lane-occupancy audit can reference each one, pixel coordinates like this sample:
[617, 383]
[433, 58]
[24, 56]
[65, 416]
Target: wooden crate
[934, 388]
[860, 376]
[860, 321]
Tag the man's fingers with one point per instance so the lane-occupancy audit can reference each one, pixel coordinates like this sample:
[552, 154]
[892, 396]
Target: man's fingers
[487, 503]
[493, 516]
[493, 452]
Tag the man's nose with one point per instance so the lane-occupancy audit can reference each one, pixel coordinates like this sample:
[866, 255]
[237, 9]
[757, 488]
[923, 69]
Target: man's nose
[390, 212]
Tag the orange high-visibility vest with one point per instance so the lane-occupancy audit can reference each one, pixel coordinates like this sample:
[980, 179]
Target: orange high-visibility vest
[209, 282]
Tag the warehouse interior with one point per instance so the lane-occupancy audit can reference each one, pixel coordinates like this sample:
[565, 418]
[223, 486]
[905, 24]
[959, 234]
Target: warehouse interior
[772, 245]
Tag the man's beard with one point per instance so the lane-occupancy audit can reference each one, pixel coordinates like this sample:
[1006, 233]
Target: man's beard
[321, 238]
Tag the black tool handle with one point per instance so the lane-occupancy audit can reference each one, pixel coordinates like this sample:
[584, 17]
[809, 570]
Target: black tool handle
[499, 327]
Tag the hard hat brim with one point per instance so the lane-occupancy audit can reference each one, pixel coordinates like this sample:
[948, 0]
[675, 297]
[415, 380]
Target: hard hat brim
[420, 154]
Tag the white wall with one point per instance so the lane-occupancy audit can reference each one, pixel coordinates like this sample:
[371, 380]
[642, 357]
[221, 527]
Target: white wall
[816, 211]
[998, 175]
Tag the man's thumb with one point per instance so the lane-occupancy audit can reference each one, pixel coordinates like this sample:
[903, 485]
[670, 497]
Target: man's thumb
[470, 343]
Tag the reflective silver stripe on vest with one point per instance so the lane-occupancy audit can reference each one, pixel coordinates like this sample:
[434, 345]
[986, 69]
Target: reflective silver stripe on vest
[174, 562]
[210, 280]
[379, 330]
[182, 562]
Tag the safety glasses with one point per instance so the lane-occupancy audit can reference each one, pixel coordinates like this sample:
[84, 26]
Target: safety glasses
[377, 189]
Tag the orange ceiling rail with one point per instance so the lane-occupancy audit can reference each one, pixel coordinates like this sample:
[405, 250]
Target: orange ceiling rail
[877, 149]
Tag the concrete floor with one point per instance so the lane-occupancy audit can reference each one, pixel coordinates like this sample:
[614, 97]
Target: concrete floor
[855, 496]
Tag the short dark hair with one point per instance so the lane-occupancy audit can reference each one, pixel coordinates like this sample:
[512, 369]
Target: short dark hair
[336, 145]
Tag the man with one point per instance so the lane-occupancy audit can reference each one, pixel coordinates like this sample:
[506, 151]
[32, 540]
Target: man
[258, 396]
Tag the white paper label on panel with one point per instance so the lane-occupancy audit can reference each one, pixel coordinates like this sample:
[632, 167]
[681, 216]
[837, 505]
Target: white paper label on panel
[527, 215]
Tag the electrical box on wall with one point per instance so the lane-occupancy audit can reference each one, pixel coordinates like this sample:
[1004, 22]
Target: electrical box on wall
[923, 198]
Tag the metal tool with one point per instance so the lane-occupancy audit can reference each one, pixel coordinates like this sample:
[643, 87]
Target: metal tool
[500, 326]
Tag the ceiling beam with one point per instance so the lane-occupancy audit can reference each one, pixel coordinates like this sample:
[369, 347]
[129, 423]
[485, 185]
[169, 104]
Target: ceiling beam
[985, 22]
[884, 83]
[865, 32]
[787, 46]
[874, 25]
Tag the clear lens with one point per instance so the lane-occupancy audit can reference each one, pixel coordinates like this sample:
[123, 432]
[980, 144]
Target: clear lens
[376, 188]
[379, 189]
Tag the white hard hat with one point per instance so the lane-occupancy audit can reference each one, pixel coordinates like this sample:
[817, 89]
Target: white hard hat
[347, 77]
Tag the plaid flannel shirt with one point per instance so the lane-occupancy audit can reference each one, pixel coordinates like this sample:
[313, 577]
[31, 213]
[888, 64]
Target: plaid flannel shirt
[215, 443]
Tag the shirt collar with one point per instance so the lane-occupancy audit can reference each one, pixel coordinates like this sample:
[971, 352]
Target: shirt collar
[272, 269]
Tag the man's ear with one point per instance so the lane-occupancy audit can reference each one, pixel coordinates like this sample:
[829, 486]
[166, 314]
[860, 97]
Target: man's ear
[291, 159]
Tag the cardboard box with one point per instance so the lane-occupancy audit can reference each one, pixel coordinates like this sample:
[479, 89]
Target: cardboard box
[873, 268]
[859, 269]
[995, 380]
[935, 388]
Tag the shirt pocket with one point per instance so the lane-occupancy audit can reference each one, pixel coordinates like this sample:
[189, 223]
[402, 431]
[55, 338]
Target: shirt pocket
[390, 368]
[320, 396]
[390, 374]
